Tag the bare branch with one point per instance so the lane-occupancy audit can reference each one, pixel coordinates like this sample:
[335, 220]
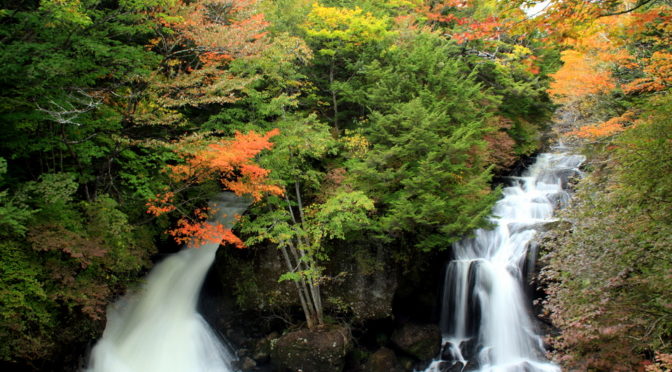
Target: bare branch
[639, 4]
[68, 112]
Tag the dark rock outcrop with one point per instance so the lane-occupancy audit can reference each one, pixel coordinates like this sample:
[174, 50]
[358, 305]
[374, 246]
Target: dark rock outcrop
[368, 282]
[383, 360]
[420, 341]
[311, 351]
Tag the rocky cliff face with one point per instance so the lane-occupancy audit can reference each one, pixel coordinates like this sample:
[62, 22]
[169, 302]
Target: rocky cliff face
[367, 293]
[360, 284]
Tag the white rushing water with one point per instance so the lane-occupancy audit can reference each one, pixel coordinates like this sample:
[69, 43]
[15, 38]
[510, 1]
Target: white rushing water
[485, 316]
[159, 328]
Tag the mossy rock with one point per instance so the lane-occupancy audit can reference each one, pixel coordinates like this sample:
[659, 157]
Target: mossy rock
[312, 351]
[383, 360]
[423, 341]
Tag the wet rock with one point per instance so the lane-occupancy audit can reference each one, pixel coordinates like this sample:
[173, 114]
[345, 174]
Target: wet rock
[383, 360]
[262, 350]
[311, 351]
[236, 336]
[420, 341]
[452, 367]
[247, 364]
[517, 227]
[469, 348]
[407, 363]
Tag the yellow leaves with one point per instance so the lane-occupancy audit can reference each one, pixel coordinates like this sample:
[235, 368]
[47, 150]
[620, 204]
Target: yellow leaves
[349, 26]
[520, 51]
[355, 143]
[334, 17]
[409, 4]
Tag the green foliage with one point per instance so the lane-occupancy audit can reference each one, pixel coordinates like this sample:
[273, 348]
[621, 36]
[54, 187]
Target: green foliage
[286, 16]
[645, 157]
[76, 258]
[344, 41]
[68, 249]
[137, 5]
[340, 214]
[26, 318]
[618, 251]
[13, 214]
[276, 82]
[303, 143]
[65, 12]
[425, 166]
[96, 94]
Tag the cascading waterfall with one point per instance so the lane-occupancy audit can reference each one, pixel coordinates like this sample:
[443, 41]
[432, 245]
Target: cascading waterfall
[485, 317]
[159, 329]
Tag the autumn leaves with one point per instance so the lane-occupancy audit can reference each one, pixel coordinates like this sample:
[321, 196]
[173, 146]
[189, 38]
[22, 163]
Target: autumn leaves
[229, 160]
[624, 56]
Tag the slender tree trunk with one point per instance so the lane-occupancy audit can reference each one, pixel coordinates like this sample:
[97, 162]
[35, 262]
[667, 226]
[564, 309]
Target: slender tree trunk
[307, 286]
[334, 101]
[295, 258]
[314, 287]
[302, 298]
[298, 199]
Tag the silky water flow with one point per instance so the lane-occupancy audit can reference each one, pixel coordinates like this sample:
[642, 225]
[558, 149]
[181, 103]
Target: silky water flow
[159, 329]
[485, 315]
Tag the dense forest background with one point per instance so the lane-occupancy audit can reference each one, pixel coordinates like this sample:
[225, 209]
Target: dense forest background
[379, 128]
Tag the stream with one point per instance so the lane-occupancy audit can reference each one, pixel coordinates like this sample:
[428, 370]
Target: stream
[159, 328]
[486, 320]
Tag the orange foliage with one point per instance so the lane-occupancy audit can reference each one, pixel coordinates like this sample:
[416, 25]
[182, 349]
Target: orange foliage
[562, 19]
[463, 29]
[232, 162]
[489, 29]
[197, 233]
[235, 31]
[213, 28]
[199, 39]
[161, 204]
[606, 129]
[602, 45]
[588, 65]
[226, 157]
[658, 69]
[580, 76]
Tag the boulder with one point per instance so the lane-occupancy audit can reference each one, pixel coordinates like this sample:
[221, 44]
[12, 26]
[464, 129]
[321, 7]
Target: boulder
[420, 341]
[311, 351]
[383, 360]
[247, 364]
[262, 349]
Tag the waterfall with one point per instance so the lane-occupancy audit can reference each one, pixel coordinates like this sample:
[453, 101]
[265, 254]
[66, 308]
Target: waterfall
[159, 329]
[485, 316]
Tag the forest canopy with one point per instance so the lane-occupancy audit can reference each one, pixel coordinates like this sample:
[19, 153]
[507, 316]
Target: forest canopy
[386, 120]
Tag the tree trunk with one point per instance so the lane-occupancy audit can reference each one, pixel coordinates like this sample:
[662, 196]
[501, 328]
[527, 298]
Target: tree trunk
[302, 297]
[334, 101]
